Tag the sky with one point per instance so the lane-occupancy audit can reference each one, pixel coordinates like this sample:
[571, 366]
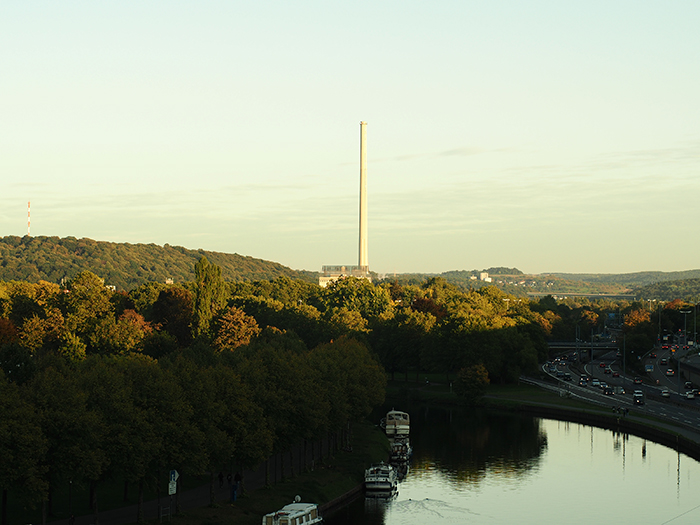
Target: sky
[549, 136]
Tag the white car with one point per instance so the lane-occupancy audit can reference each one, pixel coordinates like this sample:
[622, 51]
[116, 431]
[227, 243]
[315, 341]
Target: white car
[690, 394]
[665, 393]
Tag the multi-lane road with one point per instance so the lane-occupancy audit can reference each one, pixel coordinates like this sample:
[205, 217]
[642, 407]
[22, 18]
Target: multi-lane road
[608, 369]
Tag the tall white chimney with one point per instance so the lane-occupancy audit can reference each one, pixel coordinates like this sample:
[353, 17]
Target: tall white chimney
[363, 261]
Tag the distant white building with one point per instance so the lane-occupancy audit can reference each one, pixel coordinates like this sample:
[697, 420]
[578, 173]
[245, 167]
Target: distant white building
[484, 276]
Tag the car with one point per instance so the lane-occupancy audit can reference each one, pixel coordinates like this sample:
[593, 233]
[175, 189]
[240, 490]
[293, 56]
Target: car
[616, 374]
[690, 395]
[608, 370]
[663, 361]
[688, 385]
[638, 399]
[608, 391]
[567, 376]
[602, 365]
[637, 380]
[670, 372]
[582, 382]
[652, 355]
[595, 382]
[665, 392]
[603, 385]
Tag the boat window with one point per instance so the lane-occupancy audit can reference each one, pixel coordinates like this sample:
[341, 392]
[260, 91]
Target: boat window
[268, 520]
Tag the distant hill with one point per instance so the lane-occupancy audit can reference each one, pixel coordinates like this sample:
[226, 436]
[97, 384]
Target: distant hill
[629, 279]
[664, 286]
[686, 289]
[124, 265]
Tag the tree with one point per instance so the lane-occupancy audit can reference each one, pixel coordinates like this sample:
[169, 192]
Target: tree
[359, 295]
[233, 329]
[471, 382]
[86, 300]
[22, 447]
[73, 432]
[210, 295]
[173, 312]
[120, 336]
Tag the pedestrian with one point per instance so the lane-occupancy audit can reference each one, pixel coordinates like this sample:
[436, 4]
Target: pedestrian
[221, 480]
[71, 520]
[236, 484]
[228, 479]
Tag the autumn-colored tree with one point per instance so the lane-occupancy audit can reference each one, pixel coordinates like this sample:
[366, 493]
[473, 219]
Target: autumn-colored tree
[8, 332]
[234, 328]
[636, 317]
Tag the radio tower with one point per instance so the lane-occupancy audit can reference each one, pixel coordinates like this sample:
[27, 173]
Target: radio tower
[28, 217]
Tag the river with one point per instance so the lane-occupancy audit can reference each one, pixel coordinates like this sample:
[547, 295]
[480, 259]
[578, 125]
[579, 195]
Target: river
[483, 467]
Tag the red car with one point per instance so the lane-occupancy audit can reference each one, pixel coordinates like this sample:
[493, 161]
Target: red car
[616, 374]
[637, 380]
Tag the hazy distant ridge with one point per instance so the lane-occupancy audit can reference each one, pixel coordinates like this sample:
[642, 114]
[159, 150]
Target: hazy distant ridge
[124, 265]
[629, 279]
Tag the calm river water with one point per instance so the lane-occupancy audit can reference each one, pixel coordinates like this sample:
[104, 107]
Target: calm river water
[481, 467]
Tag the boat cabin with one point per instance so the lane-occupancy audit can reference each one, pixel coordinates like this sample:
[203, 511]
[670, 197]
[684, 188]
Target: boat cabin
[296, 513]
[397, 423]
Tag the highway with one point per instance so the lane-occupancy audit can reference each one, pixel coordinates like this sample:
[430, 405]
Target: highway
[674, 408]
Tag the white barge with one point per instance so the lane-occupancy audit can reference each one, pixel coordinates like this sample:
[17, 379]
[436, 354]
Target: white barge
[397, 423]
[296, 513]
[381, 477]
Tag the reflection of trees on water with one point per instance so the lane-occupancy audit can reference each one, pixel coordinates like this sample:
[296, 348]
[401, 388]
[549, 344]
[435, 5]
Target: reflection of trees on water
[466, 445]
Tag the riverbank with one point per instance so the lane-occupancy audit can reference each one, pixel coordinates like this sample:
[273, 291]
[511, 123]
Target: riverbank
[547, 404]
[340, 474]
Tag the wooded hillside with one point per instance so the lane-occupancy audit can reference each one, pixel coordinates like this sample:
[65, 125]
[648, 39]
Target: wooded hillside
[124, 265]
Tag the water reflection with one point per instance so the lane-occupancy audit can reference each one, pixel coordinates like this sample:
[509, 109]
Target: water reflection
[488, 467]
[467, 448]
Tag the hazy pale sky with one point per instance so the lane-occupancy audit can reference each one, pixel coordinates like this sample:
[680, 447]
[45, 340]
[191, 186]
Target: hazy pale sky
[543, 135]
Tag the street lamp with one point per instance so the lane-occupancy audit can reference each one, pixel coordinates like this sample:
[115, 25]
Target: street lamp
[685, 335]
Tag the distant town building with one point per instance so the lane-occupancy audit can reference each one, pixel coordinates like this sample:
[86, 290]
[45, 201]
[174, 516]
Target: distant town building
[484, 276]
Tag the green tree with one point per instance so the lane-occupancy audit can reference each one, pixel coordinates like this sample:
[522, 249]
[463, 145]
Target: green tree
[359, 295]
[86, 302]
[22, 447]
[173, 312]
[73, 432]
[472, 382]
[210, 295]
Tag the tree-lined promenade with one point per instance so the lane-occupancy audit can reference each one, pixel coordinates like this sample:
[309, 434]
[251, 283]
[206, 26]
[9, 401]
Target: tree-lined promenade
[100, 386]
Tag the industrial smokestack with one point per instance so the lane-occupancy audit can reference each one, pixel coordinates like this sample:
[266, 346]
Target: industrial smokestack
[363, 261]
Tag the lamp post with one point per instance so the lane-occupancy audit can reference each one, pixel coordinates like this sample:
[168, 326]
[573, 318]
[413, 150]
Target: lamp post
[685, 335]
